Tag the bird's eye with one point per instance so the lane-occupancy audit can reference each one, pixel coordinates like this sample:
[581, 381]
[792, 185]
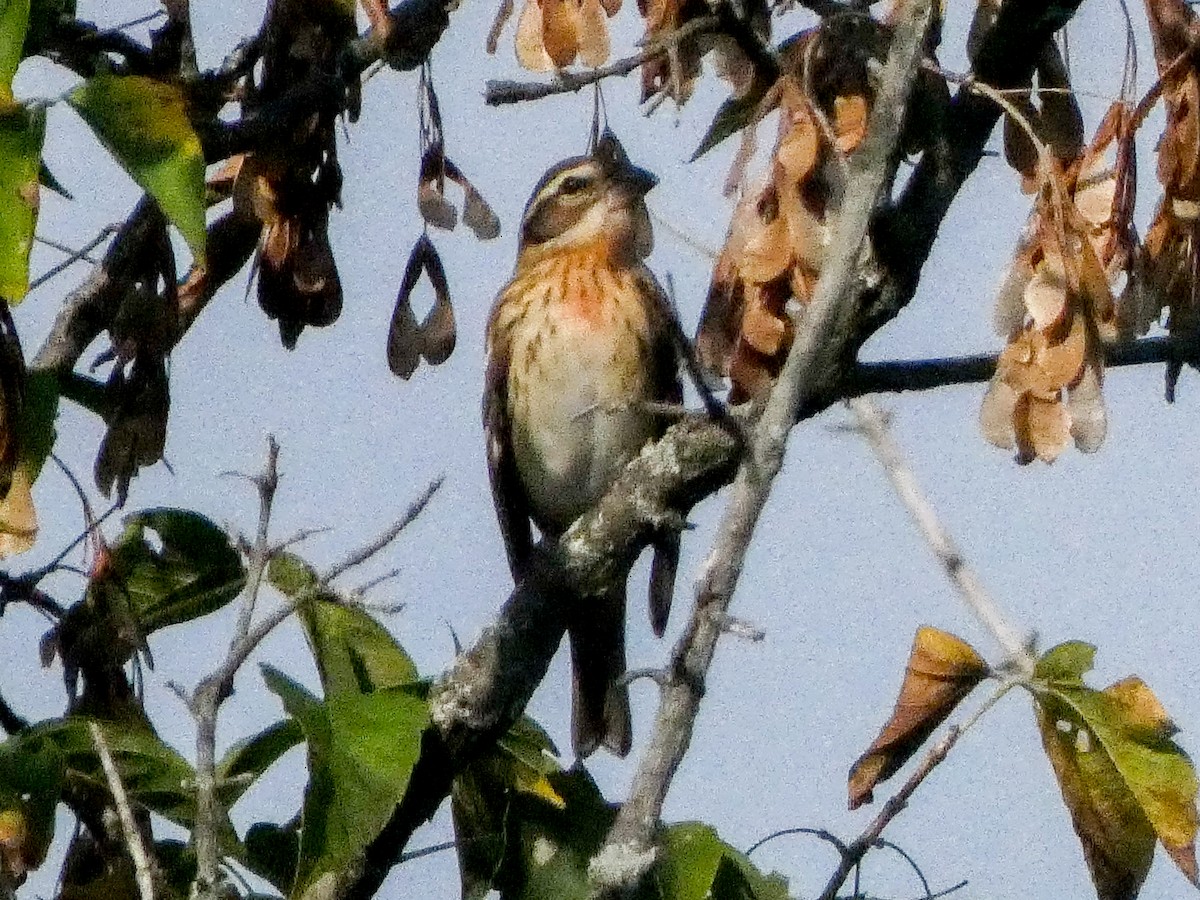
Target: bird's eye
[573, 184]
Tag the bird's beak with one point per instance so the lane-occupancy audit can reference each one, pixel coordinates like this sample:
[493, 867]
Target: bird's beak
[612, 156]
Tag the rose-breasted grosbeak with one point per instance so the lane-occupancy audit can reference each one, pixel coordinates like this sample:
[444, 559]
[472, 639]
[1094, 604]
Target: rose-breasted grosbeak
[577, 344]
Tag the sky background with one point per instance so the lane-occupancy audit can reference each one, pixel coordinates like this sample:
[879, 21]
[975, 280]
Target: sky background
[1098, 548]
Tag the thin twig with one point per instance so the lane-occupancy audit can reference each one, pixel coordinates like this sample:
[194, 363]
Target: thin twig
[896, 804]
[212, 691]
[142, 866]
[73, 256]
[628, 850]
[821, 833]
[380, 543]
[873, 425]
[501, 92]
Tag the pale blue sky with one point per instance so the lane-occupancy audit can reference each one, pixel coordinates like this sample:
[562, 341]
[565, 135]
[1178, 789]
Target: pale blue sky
[1098, 548]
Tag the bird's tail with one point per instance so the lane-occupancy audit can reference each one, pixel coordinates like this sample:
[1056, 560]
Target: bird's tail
[599, 701]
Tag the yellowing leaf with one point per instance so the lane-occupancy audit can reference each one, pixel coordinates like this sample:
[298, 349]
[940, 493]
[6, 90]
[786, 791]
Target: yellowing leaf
[942, 669]
[1122, 776]
[21, 133]
[1117, 839]
[18, 518]
[144, 124]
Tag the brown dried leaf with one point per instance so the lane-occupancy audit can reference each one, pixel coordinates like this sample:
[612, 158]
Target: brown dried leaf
[432, 339]
[942, 670]
[996, 414]
[799, 148]
[18, 517]
[1042, 428]
[763, 329]
[1045, 296]
[137, 424]
[850, 115]
[766, 245]
[560, 30]
[1085, 401]
[530, 45]
[593, 34]
[477, 214]
[431, 196]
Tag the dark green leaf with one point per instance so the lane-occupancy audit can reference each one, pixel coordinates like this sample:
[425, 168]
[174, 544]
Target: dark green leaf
[732, 116]
[549, 847]
[154, 775]
[22, 130]
[47, 180]
[272, 851]
[246, 760]
[144, 124]
[177, 864]
[479, 817]
[192, 572]
[37, 420]
[44, 17]
[354, 653]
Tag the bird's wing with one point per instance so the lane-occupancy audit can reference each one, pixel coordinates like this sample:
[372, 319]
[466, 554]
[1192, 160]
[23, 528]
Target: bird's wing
[668, 387]
[512, 509]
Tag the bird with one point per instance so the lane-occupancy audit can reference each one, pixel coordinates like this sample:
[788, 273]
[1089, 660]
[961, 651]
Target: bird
[580, 345]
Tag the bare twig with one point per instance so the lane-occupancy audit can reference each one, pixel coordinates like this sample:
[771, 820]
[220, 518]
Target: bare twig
[73, 256]
[628, 850]
[361, 556]
[874, 428]
[499, 92]
[142, 866]
[826, 836]
[206, 701]
[896, 804]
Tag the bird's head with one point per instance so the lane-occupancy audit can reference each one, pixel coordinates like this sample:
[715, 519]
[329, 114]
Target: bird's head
[591, 201]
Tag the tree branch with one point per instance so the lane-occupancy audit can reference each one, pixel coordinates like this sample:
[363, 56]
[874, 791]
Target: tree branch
[142, 866]
[873, 426]
[628, 851]
[501, 92]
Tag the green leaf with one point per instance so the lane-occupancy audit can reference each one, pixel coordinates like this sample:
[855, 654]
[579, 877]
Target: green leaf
[14, 22]
[37, 420]
[478, 815]
[361, 753]
[246, 760]
[22, 130]
[354, 653]
[31, 781]
[1069, 661]
[732, 116]
[194, 571]
[44, 17]
[176, 864]
[696, 864]
[154, 775]
[292, 576]
[144, 124]
[550, 847]
[520, 764]
[1122, 767]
